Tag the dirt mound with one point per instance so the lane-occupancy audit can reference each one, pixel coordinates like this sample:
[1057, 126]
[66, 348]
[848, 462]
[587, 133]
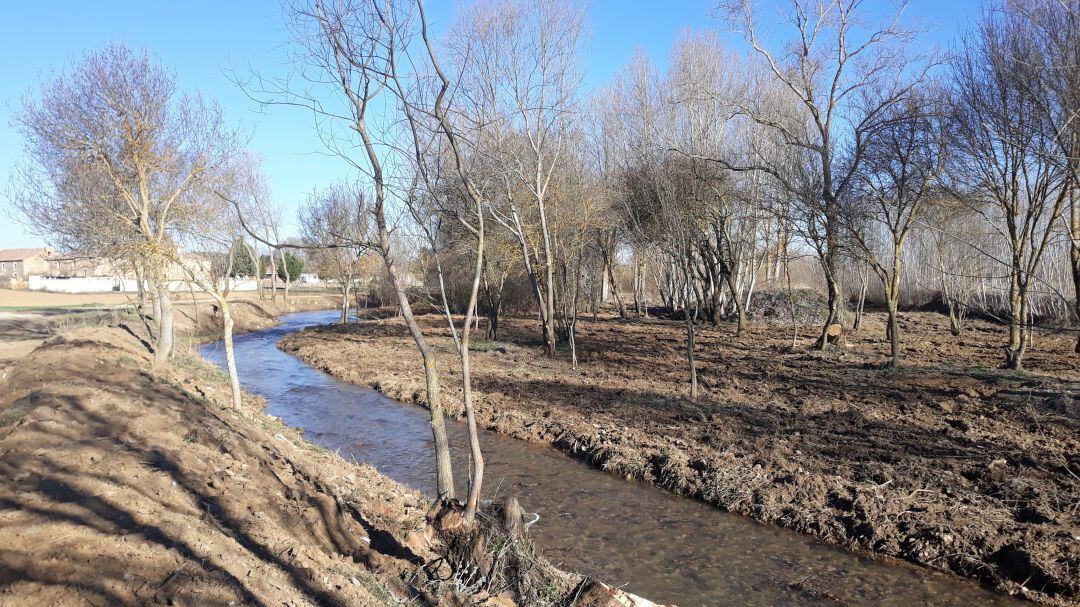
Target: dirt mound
[773, 307]
[123, 487]
[945, 462]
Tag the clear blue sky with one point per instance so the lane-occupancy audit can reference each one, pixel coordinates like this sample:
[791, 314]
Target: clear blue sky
[200, 38]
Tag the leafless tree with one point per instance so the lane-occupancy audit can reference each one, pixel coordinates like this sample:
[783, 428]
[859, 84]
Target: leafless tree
[205, 254]
[116, 156]
[334, 221]
[1005, 148]
[523, 75]
[360, 51]
[845, 76]
[900, 176]
[1055, 25]
[345, 59]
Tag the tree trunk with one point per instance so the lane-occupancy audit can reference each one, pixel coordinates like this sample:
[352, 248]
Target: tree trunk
[637, 287]
[791, 307]
[1074, 256]
[476, 480]
[690, 339]
[163, 350]
[230, 355]
[740, 311]
[257, 276]
[287, 273]
[344, 306]
[834, 303]
[615, 290]
[273, 277]
[894, 334]
[1014, 351]
[860, 308]
[444, 476]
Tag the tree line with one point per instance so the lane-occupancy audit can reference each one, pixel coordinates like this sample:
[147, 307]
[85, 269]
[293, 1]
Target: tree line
[478, 160]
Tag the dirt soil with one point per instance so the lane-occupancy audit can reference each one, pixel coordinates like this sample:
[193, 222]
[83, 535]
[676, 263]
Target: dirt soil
[122, 484]
[24, 298]
[196, 321]
[947, 462]
[126, 487]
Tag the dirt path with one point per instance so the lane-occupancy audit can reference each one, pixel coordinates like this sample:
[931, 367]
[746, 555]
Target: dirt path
[947, 462]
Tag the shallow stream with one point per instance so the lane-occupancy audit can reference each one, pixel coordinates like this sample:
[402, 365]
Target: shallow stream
[667, 548]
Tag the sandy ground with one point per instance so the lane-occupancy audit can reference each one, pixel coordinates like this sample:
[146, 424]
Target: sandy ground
[947, 462]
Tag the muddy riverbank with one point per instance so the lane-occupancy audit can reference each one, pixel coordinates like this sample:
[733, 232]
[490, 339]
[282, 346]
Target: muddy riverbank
[957, 468]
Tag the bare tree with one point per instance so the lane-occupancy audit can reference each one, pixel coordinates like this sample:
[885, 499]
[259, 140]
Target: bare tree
[1005, 168]
[899, 177]
[348, 50]
[845, 77]
[362, 48]
[116, 152]
[335, 221]
[1055, 25]
[523, 74]
[207, 261]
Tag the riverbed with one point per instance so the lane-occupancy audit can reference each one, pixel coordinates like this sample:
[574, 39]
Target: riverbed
[667, 548]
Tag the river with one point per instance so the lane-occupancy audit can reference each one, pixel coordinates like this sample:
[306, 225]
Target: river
[664, 547]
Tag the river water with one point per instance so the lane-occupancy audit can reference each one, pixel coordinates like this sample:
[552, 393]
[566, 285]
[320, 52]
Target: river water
[667, 548]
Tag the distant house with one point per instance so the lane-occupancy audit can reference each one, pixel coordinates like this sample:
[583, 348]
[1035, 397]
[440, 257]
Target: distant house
[80, 266]
[16, 265]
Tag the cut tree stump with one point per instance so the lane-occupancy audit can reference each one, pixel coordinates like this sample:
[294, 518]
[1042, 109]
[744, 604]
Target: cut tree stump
[834, 333]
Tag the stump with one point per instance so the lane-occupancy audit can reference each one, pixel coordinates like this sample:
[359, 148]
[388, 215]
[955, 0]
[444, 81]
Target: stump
[834, 333]
[513, 519]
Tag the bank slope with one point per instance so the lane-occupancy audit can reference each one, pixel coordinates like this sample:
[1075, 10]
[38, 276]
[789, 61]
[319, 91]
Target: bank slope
[121, 486]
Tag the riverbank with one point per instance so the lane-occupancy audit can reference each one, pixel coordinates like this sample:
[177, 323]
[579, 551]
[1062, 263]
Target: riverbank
[944, 463]
[197, 320]
[125, 485]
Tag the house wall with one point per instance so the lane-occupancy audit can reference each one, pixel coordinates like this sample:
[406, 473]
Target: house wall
[10, 271]
[105, 284]
[17, 271]
[38, 264]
